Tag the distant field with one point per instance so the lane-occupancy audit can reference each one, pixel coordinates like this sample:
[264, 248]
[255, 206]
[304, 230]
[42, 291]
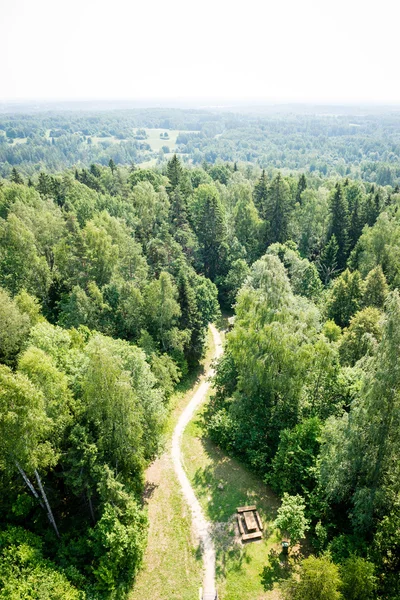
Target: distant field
[111, 139]
[157, 143]
[19, 141]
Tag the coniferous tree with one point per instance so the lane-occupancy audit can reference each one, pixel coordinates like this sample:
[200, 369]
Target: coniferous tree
[112, 165]
[178, 211]
[174, 172]
[209, 223]
[190, 319]
[339, 225]
[278, 210]
[16, 177]
[44, 186]
[372, 207]
[261, 194]
[301, 186]
[95, 170]
[355, 224]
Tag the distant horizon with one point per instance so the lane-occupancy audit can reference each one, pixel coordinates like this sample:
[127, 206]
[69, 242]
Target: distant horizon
[219, 104]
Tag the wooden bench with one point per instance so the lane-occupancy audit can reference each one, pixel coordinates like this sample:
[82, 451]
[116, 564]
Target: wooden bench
[257, 535]
[246, 508]
[260, 525]
[240, 525]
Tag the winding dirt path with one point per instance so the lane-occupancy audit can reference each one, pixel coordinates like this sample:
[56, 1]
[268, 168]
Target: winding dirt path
[201, 526]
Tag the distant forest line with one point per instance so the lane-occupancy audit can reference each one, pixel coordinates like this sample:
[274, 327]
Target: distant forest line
[363, 145]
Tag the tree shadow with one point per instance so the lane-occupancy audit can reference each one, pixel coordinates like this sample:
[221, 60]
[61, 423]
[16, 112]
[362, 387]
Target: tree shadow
[227, 484]
[279, 568]
[148, 491]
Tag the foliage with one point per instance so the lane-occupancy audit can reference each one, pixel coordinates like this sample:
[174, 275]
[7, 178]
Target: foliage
[361, 337]
[293, 469]
[358, 579]
[344, 298]
[319, 580]
[25, 573]
[291, 520]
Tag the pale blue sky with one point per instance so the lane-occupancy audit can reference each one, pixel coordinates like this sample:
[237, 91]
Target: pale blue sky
[287, 50]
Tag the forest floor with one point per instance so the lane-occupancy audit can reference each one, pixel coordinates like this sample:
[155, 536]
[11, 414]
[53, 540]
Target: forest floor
[173, 567]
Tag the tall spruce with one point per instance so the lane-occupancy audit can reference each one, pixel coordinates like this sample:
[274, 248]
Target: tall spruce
[278, 211]
[16, 177]
[174, 173]
[339, 224]
[261, 194]
[301, 186]
[327, 263]
[190, 318]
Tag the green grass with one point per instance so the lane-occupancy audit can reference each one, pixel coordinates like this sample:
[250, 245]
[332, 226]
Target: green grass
[110, 139]
[157, 143]
[173, 567]
[239, 567]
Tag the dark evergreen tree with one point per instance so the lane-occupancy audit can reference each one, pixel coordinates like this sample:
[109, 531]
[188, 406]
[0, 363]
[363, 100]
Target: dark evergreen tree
[112, 165]
[372, 207]
[210, 227]
[16, 177]
[261, 195]
[327, 263]
[174, 172]
[339, 225]
[44, 186]
[356, 223]
[178, 211]
[301, 186]
[190, 318]
[95, 170]
[278, 210]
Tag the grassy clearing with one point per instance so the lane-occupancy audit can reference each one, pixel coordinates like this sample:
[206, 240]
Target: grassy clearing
[110, 139]
[172, 568]
[157, 143]
[239, 568]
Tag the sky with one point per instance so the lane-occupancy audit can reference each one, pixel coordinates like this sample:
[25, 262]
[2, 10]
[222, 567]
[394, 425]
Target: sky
[342, 51]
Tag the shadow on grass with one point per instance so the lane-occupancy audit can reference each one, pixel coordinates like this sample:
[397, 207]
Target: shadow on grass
[227, 484]
[279, 568]
[148, 491]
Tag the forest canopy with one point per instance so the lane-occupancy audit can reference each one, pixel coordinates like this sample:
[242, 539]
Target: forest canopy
[109, 277]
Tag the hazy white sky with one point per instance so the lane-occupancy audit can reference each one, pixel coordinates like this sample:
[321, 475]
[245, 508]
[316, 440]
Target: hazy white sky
[281, 50]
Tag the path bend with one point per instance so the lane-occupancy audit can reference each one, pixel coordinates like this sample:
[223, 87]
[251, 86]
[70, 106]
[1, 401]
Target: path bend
[201, 526]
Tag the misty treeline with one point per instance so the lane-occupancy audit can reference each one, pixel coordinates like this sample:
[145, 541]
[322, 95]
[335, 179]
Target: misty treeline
[364, 145]
[109, 277]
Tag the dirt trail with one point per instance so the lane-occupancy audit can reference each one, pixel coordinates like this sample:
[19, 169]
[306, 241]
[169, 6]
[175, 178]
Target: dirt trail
[201, 526]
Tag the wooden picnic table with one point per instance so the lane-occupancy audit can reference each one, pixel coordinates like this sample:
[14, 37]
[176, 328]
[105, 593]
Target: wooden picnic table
[249, 519]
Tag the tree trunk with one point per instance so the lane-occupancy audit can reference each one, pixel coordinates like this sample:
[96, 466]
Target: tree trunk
[49, 511]
[91, 508]
[28, 483]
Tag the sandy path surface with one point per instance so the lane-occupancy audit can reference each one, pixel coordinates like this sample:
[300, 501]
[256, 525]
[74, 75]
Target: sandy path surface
[201, 526]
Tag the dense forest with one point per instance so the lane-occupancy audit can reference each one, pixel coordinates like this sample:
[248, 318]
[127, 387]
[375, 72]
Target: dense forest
[326, 141]
[109, 276]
